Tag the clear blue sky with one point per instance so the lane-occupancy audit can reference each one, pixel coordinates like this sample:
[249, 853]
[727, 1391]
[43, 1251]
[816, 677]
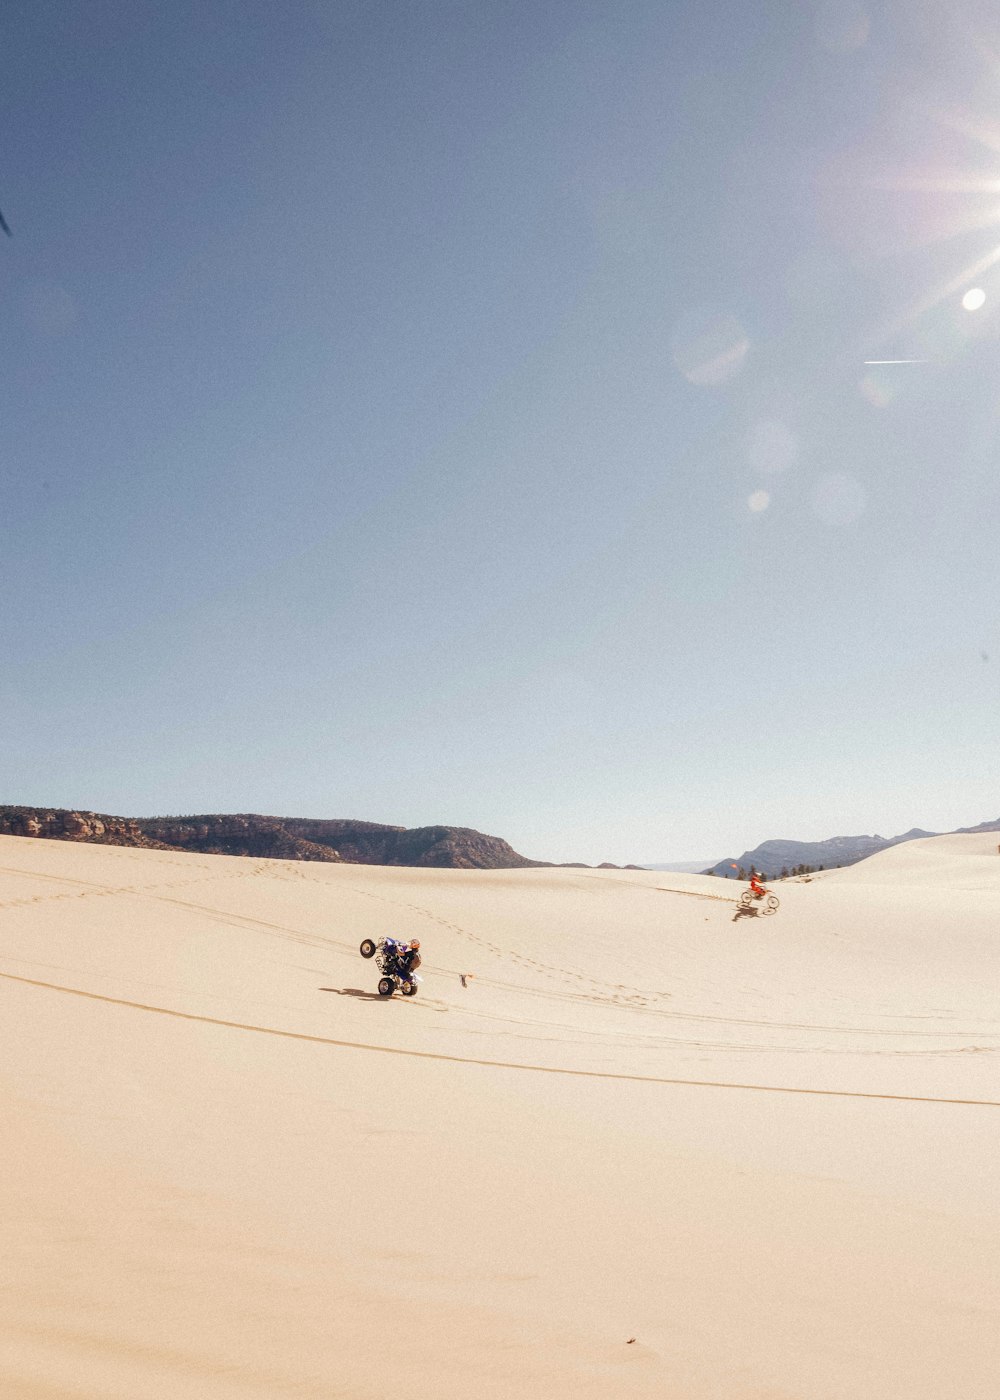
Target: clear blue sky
[457, 413]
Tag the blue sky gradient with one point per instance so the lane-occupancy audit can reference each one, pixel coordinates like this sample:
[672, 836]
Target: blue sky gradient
[458, 413]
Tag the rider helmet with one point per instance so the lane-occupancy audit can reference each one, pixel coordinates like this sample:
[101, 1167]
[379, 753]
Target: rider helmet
[414, 942]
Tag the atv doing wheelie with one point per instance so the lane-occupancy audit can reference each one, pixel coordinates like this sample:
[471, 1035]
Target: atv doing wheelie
[393, 979]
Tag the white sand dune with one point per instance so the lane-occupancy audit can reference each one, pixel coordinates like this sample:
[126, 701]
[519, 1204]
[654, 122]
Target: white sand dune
[764, 1149]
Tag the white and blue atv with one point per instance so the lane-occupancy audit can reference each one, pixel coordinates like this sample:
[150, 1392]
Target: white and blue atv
[393, 978]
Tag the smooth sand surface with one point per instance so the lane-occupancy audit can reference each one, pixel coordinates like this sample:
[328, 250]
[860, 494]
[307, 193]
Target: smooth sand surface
[764, 1149]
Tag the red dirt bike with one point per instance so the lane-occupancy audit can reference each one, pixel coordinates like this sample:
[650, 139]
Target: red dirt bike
[767, 902]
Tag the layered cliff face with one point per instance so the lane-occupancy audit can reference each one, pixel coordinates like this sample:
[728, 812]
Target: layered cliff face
[60, 825]
[274, 838]
[236, 835]
[454, 847]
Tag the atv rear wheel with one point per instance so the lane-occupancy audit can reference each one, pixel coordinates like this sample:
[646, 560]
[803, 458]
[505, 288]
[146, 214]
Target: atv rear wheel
[409, 989]
[386, 987]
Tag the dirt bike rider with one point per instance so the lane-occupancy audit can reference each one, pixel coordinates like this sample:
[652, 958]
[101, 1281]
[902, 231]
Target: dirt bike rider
[756, 888]
[408, 958]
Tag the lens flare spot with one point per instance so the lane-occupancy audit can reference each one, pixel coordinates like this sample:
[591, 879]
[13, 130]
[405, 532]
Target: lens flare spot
[709, 349]
[772, 447]
[877, 390]
[760, 500]
[839, 499]
[974, 298]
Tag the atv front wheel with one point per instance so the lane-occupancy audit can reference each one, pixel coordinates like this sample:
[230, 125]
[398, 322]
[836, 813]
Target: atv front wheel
[368, 948]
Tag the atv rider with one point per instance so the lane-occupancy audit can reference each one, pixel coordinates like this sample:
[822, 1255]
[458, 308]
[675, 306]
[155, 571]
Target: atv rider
[756, 888]
[408, 958]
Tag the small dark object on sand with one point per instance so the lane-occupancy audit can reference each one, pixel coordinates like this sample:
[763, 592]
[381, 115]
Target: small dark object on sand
[630, 1341]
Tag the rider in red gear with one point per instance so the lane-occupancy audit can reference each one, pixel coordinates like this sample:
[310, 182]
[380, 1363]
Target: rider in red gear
[756, 887]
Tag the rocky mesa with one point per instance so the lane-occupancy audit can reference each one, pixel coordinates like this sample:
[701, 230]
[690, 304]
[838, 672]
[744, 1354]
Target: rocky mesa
[274, 838]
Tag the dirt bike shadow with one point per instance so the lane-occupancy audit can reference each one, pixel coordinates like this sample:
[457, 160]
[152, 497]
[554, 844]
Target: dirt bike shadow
[354, 992]
[744, 913]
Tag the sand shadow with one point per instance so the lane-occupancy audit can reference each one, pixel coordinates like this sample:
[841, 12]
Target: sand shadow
[744, 913]
[354, 992]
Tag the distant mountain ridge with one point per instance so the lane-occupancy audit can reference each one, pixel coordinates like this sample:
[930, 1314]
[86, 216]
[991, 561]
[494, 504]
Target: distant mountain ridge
[373, 843]
[279, 838]
[771, 857]
[275, 838]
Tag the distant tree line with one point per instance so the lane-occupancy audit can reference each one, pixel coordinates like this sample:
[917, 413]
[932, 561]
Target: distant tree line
[743, 874]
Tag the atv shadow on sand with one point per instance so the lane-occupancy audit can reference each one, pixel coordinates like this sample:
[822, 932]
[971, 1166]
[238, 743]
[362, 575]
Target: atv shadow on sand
[353, 992]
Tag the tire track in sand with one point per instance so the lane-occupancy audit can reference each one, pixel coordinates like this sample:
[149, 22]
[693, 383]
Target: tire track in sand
[609, 1075]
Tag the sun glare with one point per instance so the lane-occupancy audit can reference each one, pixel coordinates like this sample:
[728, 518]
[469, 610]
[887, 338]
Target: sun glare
[937, 221]
[912, 314]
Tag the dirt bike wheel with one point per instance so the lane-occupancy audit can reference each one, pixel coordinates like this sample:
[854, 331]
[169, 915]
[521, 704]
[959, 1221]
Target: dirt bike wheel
[772, 903]
[746, 899]
[367, 948]
[410, 989]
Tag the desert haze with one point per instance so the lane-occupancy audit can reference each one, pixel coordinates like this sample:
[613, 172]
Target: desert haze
[646, 1150]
